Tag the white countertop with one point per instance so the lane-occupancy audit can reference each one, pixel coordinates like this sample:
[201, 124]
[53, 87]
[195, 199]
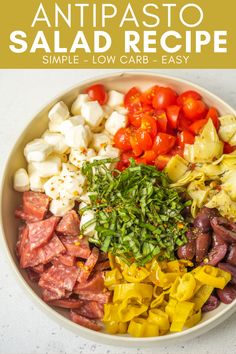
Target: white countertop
[24, 329]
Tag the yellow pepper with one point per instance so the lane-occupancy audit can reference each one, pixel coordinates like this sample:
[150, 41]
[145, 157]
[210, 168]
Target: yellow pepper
[127, 311]
[132, 290]
[112, 277]
[170, 308]
[194, 319]
[167, 279]
[212, 276]
[201, 296]
[135, 274]
[173, 267]
[158, 301]
[112, 261]
[139, 327]
[111, 313]
[182, 311]
[183, 287]
[160, 318]
[116, 327]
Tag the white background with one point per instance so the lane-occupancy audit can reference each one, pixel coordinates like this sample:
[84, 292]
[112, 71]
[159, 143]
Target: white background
[24, 329]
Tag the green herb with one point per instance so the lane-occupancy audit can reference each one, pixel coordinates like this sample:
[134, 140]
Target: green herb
[138, 215]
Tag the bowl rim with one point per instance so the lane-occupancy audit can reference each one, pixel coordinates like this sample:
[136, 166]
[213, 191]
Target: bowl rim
[48, 310]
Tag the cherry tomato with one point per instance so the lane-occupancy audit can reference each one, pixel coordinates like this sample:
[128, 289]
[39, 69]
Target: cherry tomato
[194, 109]
[173, 115]
[177, 150]
[163, 143]
[97, 93]
[126, 156]
[197, 126]
[185, 137]
[164, 97]
[149, 124]
[121, 166]
[132, 97]
[144, 139]
[122, 139]
[161, 161]
[186, 95]
[147, 96]
[149, 155]
[228, 148]
[135, 118]
[161, 120]
[140, 160]
[137, 150]
[183, 123]
[213, 114]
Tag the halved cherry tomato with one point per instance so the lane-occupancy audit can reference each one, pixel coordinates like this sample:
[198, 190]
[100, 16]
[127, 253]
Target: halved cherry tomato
[121, 166]
[161, 120]
[140, 160]
[132, 97]
[147, 96]
[149, 155]
[150, 125]
[185, 137]
[122, 139]
[126, 156]
[197, 126]
[144, 139]
[163, 143]
[173, 115]
[135, 118]
[228, 148]
[161, 161]
[183, 122]
[213, 114]
[194, 109]
[186, 95]
[137, 150]
[177, 150]
[97, 93]
[164, 97]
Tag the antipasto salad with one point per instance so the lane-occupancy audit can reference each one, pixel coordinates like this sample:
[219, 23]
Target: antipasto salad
[128, 210]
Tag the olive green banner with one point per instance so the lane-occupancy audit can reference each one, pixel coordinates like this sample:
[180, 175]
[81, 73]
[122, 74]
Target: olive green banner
[118, 34]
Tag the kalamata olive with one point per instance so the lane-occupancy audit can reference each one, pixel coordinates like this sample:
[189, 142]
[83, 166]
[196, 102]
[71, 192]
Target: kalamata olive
[203, 242]
[188, 251]
[217, 240]
[231, 258]
[211, 304]
[203, 219]
[227, 295]
[216, 254]
[224, 228]
[229, 268]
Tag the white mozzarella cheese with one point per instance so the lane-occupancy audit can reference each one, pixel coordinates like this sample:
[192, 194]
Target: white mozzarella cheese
[77, 104]
[88, 216]
[115, 99]
[59, 112]
[67, 169]
[60, 207]
[21, 180]
[100, 140]
[52, 187]
[85, 198]
[72, 187]
[70, 123]
[92, 113]
[77, 157]
[47, 168]
[55, 127]
[78, 137]
[36, 182]
[57, 141]
[37, 150]
[115, 122]
[109, 151]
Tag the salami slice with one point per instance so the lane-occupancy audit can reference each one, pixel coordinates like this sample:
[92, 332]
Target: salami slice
[103, 297]
[35, 204]
[87, 268]
[48, 295]
[32, 275]
[42, 231]
[91, 309]
[44, 254]
[67, 260]
[67, 303]
[85, 322]
[39, 268]
[94, 285]
[69, 225]
[22, 240]
[102, 266]
[76, 247]
[20, 214]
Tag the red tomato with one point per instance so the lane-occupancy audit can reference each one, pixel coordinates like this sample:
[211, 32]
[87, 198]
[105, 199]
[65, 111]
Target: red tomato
[150, 125]
[197, 126]
[149, 155]
[213, 114]
[132, 97]
[161, 120]
[137, 150]
[164, 97]
[161, 161]
[122, 139]
[125, 156]
[194, 109]
[177, 150]
[97, 93]
[140, 160]
[185, 137]
[186, 95]
[121, 166]
[144, 139]
[163, 143]
[135, 118]
[147, 96]
[228, 148]
[173, 115]
[183, 123]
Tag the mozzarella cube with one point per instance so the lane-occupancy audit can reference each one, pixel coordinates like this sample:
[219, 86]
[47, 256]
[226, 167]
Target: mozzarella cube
[115, 122]
[78, 137]
[54, 127]
[77, 157]
[92, 113]
[72, 187]
[100, 141]
[57, 141]
[48, 168]
[21, 180]
[59, 112]
[88, 216]
[37, 150]
[115, 99]
[52, 187]
[60, 207]
[110, 152]
[70, 123]
[77, 104]
[36, 182]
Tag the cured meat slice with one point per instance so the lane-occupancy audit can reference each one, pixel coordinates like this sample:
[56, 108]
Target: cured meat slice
[85, 322]
[102, 257]
[39, 268]
[67, 260]
[67, 303]
[103, 297]
[59, 278]
[42, 231]
[94, 285]
[44, 254]
[32, 275]
[91, 309]
[35, 204]
[102, 266]
[86, 269]
[69, 225]
[76, 247]
[22, 240]
[20, 214]
[48, 295]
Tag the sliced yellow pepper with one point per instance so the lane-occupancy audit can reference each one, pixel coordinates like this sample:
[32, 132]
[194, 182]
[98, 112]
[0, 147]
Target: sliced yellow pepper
[135, 274]
[112, 261]
[182, 311]
[160, 318]
[111, 313]
[211, 276]
[201, 296]
[139, 327]
[158, 301]
[112, 277]
[116, 327]
[132, 290]
[183, 287]
[170, 308]
[194, 319]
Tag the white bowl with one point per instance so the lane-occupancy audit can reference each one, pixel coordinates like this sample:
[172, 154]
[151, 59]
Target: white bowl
[10, 199]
